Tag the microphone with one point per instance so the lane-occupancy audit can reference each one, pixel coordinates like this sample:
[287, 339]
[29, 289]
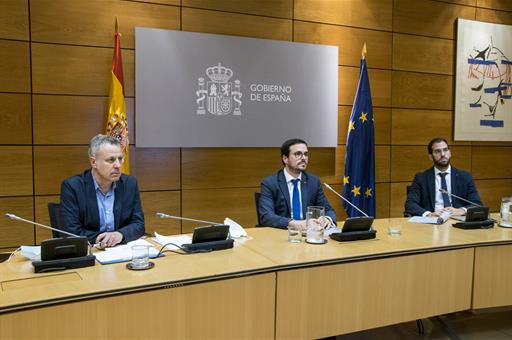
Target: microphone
[462, 199]
[354, 228]
[346, 200]
[60, 253]
[17, 218]
[162, 215]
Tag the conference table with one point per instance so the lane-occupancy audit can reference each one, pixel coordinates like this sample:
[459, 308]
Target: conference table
[266, 287]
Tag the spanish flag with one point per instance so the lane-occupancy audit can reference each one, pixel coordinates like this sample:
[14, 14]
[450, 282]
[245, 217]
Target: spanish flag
[117, 123]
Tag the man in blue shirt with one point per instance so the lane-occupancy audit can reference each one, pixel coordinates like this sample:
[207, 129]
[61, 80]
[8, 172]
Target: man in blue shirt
[286, 194]
[102, 203]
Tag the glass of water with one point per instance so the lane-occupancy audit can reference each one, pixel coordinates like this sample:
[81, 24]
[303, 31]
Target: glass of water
[294, 234]
[506, 211]
[315, 225]
[140, 256]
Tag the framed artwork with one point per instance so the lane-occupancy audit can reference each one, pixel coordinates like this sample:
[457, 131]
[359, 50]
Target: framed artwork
[483, 89]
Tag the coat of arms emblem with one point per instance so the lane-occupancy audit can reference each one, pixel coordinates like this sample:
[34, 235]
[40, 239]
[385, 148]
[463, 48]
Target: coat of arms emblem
[218, 96]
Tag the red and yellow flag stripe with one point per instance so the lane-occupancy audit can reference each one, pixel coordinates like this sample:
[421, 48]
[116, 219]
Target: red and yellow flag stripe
[117, 122]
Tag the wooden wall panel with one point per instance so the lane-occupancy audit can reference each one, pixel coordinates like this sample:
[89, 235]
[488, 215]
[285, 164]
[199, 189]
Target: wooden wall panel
[463, 2]
[15, 170]
[498, 17]
[216, 204]
[375, 14]
[382, 118]
[422, 91]
[349, 41]
[41, 216]
[492, 190]
[15, 66]
[60, 69]
[491, 162]
[495, 4]
[14, 19]
[406, 161]
[53, 164]
[198, 20]
[167, 202]
[237, 167]
[339, 167]
[432, 55]
[92, 22]
[382, 199]
[270, 8]
[15, 119]
[410, 54]
[156, 168]
[398, 195]
[380, 83]
[418, 127]
[429, 18]
[73, 119]
[163, 2]
[14, 233]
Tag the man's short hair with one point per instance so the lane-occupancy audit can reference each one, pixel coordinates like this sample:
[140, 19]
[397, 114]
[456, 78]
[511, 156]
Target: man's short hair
[98, 141]
[435, 141]
[285, 148]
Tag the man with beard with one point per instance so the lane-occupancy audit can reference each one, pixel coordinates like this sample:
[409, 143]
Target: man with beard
[424, 197]
[101, 203]
[286, 194]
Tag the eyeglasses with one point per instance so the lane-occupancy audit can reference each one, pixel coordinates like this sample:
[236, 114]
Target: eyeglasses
[299, 154]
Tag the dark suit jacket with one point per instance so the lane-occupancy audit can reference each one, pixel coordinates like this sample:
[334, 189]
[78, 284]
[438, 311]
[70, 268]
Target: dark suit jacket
[79, 207]
[421, 194]
[274, 204]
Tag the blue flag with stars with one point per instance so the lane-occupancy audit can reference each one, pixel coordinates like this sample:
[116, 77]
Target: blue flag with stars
[359, 177]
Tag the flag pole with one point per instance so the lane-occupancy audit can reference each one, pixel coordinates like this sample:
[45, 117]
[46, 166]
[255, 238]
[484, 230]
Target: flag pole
[363, 51]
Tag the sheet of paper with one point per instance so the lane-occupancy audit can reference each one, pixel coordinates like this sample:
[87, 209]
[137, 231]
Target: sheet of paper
[179, 240]
[430, 220]
[33, 253]
[123, 253]
[235, 229]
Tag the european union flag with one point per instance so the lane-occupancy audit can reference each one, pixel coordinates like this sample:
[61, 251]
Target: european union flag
[359, 178]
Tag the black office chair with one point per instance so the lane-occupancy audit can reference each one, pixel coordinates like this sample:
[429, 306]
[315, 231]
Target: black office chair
[257, 196]
[55, 219]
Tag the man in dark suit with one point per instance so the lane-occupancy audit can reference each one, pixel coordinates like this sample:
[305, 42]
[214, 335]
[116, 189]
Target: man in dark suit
[424, 197]
[102, 203]
[286, 194]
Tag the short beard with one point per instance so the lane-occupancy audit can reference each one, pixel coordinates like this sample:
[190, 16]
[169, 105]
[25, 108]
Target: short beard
[438, 164]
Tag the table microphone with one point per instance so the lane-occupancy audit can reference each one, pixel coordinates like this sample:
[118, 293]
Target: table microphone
[17, 218]
[354, 228]
[61, 253]
[162, 215]
[462, 199]
[346, 200]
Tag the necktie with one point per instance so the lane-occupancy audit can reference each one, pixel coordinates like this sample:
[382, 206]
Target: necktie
[296, 200]
[446, 199]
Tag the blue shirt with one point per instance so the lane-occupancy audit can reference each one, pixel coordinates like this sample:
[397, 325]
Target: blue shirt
[105, 206]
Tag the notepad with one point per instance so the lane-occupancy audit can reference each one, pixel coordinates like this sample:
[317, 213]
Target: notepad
[430, 220]
[123, 253]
